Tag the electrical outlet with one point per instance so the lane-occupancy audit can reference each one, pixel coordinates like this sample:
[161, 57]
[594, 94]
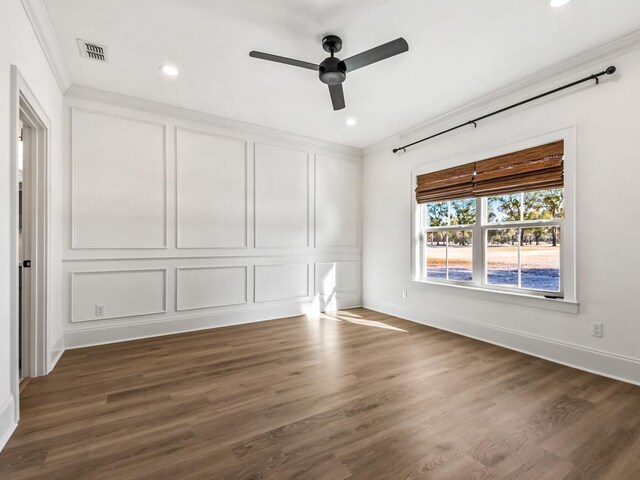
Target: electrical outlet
[404, 294]
[99, 310]
[596, 329]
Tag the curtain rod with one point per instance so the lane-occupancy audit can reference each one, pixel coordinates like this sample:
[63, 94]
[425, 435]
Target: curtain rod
[596, 76]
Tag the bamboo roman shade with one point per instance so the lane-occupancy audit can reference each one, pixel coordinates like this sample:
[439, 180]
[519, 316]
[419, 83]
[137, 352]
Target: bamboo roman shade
[536, 168]
[456, 182]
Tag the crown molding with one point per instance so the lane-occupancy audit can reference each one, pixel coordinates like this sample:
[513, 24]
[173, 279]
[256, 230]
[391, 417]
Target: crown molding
[149, 106]
[506, 94]
[41, 23]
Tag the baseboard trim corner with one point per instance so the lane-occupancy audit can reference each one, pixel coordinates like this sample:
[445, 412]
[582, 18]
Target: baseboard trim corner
[8, 421]
[56, 352]
[617, 367]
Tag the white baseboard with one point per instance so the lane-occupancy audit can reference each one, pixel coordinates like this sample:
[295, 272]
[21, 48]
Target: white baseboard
[56, 352]
[618, 367]
[7, 420]
[78, 338]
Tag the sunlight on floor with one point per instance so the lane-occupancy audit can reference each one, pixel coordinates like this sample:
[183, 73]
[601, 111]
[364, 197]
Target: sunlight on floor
[357, 320]
[326, 301]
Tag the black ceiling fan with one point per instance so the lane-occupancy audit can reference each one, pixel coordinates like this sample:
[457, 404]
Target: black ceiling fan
[333, 71]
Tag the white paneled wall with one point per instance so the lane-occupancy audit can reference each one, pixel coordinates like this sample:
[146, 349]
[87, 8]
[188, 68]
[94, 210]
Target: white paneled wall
[337, 191]
[334, 279]
[211, 174]
[281, 197]
[120, 293]
[113, 160]
[281, 282]
[337, 277]
[207, 287]
[176, 224]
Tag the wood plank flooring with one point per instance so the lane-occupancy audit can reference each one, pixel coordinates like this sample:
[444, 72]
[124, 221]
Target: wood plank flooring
[357, 395]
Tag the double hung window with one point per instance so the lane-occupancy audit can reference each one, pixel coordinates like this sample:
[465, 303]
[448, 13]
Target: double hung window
[496, 223]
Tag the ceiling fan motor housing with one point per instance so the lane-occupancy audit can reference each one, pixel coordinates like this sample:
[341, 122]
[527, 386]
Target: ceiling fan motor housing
[333, 71]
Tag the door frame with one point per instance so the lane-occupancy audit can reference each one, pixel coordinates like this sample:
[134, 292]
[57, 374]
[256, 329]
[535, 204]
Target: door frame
[26, 108]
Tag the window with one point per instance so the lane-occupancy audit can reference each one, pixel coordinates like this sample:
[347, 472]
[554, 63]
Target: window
[449, 238]
[520, 237]
[506, 233]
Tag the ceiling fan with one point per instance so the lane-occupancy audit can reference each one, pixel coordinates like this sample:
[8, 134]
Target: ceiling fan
[333, 71]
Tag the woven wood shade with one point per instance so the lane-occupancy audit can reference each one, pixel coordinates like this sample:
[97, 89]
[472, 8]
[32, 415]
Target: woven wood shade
[449, 184]
[537, 168]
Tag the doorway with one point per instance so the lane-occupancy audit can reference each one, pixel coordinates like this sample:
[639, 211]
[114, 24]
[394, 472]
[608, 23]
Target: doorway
[22, 289]
[30, 235]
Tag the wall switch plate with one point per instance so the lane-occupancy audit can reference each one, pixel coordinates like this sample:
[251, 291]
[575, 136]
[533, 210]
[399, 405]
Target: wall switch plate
[596, 329]
[99, 310]
[404, 294]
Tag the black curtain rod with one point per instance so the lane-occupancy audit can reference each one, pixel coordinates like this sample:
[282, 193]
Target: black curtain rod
[596, 76]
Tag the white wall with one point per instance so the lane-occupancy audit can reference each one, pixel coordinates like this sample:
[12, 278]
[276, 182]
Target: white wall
[174, 223]
[608, 169]
[19, 46]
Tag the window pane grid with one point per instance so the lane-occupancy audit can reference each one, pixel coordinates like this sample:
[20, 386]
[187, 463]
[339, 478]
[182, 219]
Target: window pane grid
[519, 241]
[526, 258]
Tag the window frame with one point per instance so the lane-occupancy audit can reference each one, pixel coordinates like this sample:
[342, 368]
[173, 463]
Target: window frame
[479, 230]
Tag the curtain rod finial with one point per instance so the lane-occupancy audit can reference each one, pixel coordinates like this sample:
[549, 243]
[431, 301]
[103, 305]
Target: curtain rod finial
[610, 70]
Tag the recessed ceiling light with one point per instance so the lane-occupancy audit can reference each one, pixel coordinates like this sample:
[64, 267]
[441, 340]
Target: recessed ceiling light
[169, 70]
[351, 121]
[558, 3]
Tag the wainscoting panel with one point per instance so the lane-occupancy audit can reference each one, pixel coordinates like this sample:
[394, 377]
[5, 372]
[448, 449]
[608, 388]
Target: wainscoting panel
[177, 221]
[337, 277]
[122, 293]
[207, 287]
[118, 182]
[211, 190]
[281, 282]
[337, 213]
[281, 197]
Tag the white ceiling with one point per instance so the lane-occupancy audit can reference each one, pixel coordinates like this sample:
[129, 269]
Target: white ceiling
[458, 51]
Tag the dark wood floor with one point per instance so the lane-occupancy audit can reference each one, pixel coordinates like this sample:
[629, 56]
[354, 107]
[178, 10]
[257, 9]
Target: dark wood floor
[359, 395]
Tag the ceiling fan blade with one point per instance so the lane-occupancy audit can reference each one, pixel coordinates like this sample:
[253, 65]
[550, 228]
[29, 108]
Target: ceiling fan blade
[381, 52]
[337, 96]
[285, 60]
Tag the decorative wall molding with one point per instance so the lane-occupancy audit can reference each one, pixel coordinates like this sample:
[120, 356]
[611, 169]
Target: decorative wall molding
[610, 365]
[341, 186]
[75, 275]
[258, 296]
[124, 101]
[41, 23]
[306, 253]
[282, 294]
[549, 76]
[257, 242]
[179, 270]
[339, 286]
[239, 139]
[74, 180]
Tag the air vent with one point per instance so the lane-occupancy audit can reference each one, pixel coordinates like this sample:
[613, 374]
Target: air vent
[92, 50]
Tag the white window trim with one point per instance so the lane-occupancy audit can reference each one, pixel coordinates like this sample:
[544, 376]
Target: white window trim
[568, 251]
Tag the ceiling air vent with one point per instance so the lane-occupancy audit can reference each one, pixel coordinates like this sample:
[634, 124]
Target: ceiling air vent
[93, 50]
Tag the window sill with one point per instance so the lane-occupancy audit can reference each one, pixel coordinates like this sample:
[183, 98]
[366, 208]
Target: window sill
[514, 298]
